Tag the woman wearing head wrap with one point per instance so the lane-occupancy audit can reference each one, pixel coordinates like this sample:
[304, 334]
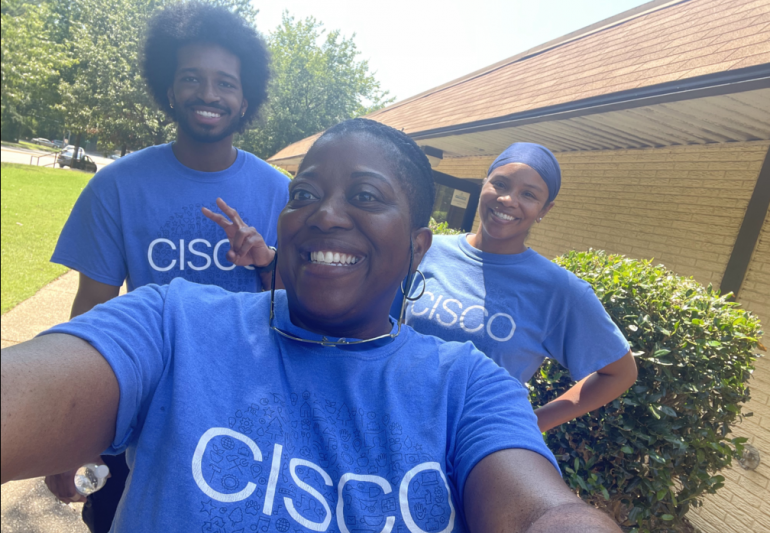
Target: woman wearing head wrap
[515, 305]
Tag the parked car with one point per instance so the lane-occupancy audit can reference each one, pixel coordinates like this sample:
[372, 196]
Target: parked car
[42, 142]
[83, 162]
[70, 148]
[58, 144]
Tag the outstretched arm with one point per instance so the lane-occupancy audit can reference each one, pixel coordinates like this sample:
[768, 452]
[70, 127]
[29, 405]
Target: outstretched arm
[519, 491]
[590, 393]
[59, 406]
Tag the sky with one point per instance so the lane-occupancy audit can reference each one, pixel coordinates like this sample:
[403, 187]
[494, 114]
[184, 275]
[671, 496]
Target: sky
[415, 45]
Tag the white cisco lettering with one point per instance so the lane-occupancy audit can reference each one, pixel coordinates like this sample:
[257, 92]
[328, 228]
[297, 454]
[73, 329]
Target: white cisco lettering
[272, 480]
[473, 329]
[197, 460]
[384, 485]
[149, 255]
[315, 526]
[403, 497]
[446, 308]
[216, 256]
[193, 251]
[492, 319]
[181, 254]
[424, 297]
[435, 305]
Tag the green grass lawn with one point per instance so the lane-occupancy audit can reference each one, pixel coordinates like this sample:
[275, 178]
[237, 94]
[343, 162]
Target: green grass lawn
[36, 202]
[30, 146]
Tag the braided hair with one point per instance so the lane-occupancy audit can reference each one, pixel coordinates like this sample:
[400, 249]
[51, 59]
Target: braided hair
[412, 167]
[185, 23]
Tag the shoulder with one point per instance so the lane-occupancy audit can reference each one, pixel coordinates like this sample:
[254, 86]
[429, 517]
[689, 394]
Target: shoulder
[457, 355]
[446, 242]
[212, 296]
[560, 279]
[264, 170]
[445, 246]
[130, 167]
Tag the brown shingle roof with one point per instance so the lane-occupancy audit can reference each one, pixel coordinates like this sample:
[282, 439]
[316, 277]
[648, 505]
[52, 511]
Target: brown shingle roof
[667, 43]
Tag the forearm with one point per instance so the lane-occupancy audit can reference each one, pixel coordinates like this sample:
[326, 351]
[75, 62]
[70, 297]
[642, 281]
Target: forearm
[59, 405]
[90, 294]
[573, 518]
[592, 392]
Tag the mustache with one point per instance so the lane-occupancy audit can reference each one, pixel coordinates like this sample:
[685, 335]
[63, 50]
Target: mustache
[204, 104]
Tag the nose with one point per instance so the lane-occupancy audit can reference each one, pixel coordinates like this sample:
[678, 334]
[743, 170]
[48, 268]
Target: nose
[330, 215]
[208, 92]
[507, 200]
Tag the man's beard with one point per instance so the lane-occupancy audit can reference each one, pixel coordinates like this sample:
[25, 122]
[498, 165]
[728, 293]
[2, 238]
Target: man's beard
[204, 136]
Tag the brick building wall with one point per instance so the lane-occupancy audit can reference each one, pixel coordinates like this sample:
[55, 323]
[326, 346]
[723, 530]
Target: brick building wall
[682, 206]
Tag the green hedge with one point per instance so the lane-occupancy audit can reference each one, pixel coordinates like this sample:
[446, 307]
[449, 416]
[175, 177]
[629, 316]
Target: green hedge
[651, 455]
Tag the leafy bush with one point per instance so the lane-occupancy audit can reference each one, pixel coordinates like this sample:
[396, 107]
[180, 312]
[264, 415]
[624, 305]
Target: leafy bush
[442, 228]
[282, 171]
[649, 456]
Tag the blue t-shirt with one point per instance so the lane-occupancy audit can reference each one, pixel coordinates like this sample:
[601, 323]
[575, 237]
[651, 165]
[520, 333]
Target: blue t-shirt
[518, 309]
[140, 219]
[230, 427]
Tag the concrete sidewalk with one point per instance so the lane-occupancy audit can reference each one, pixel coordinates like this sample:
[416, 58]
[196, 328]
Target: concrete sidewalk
[27, 506]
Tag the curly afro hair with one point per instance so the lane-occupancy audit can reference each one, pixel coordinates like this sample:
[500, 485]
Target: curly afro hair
[188, 22]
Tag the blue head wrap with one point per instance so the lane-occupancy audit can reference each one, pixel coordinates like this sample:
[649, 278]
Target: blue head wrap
[537, 157]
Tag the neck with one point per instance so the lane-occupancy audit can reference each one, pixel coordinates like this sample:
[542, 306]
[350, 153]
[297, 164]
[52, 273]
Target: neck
[482, 241]
[204, 156]
[358, 324]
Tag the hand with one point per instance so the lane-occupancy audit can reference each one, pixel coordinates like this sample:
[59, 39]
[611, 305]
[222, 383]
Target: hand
[63, 487]
[247, 247]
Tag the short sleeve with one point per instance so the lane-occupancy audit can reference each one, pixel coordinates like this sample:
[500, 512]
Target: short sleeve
[496, 416]
[92, 239]
[128, 332]
[587, 339]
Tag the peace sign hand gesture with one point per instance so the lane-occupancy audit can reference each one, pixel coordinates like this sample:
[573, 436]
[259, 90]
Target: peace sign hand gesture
[247, 247]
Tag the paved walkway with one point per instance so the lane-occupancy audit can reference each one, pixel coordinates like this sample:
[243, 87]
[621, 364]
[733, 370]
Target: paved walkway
[27, 506]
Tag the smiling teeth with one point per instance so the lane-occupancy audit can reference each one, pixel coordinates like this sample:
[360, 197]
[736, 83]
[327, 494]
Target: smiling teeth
[333, 258]
[208, 114]
[503, 215]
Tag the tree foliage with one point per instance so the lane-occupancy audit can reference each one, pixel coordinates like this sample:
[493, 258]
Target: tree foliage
[76, 65]
[317, 82]
[652, 454]
[32, 59]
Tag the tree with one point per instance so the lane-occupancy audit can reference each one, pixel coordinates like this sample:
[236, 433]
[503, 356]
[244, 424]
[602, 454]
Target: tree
[31, 63]
[76, 64]
[104, 94]
[313, 87]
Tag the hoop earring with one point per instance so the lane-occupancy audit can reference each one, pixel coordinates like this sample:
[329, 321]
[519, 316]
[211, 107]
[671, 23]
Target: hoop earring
[424, 283]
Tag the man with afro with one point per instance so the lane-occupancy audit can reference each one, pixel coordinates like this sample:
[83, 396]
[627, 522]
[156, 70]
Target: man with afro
[141, 219]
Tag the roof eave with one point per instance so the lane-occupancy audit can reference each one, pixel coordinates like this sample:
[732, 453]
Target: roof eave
[725, 82]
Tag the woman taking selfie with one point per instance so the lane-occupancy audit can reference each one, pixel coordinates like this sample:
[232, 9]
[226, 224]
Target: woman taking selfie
[515, 305]
[305, 408]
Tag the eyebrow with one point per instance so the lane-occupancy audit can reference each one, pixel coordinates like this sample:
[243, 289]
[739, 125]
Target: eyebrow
[535, 186]
[221, 73]
[369, 174]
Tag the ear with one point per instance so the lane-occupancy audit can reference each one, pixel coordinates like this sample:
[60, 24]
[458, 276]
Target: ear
[545, 210]
[170, 95]
[422, 238]
[244, 106]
